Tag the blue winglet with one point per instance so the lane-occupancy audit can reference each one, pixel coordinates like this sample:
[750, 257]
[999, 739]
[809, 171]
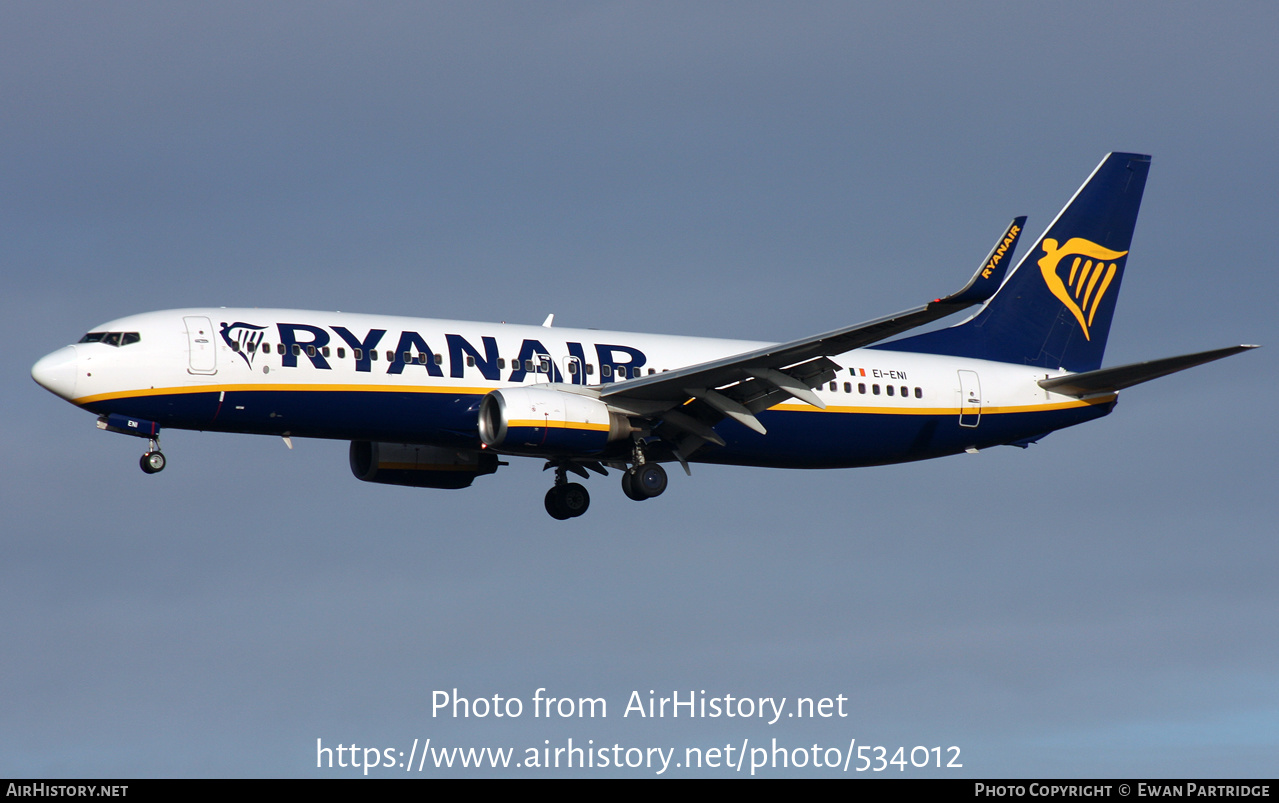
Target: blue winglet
[990, 275]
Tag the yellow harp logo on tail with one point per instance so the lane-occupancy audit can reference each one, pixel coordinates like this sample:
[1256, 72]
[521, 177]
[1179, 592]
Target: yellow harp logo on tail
[1090, 274]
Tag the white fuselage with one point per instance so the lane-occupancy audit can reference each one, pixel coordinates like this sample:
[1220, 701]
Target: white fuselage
[414, 380]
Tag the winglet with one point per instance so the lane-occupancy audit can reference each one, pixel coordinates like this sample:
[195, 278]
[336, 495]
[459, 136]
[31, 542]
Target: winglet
[993, 268]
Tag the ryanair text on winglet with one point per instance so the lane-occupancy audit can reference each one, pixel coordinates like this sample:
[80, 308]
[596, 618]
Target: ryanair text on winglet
[1001, 251]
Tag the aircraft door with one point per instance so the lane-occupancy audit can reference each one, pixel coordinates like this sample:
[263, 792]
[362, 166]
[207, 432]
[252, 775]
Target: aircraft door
[969, 399]
[203, 348]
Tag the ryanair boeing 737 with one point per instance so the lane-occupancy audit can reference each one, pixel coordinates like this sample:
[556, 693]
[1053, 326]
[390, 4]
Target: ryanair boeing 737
[436, 403]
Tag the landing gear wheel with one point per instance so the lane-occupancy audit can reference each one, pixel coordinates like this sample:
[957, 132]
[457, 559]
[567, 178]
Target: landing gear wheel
[553, 505]
[644, 481]
[567, 501]
[628, 487]
[152, 462]
[650, 480]
[574, 498]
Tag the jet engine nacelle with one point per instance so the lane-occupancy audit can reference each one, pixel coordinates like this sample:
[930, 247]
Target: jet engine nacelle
[542, 421]
[418, 466]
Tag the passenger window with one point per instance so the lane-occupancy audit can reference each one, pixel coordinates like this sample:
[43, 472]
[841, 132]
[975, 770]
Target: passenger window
[889, 388]
[590, 369]
[874, 389]
[421, 359]
[390, 356]
[501, 363]
[310, 351]
[528, 366]
[439, 360]
[905, 391]
[297, 350]
[848, 387]
[470, 361]
[606, 371]
[861, 388]
[833, 386]
[919, 393]
[341, 352]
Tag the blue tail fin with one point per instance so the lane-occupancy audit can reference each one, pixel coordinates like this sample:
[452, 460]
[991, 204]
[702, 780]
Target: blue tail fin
[1054, 311]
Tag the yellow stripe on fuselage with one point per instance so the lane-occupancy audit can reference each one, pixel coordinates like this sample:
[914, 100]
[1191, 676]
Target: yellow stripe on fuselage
[481, 391]
[133, 394]
[985, 409]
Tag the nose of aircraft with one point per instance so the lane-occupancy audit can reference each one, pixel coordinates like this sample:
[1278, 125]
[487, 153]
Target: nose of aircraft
[56, 372]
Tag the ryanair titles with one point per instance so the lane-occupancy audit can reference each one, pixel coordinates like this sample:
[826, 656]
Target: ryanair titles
[1001, 251]
[410, 351]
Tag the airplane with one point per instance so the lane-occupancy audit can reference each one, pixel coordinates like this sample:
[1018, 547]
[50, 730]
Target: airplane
[437, 403]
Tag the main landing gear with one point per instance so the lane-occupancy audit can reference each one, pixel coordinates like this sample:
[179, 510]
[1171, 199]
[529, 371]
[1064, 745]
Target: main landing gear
[568, 500]
[153, 461]
[644, 481]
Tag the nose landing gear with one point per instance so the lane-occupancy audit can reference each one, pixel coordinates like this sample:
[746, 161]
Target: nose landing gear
[153, 461]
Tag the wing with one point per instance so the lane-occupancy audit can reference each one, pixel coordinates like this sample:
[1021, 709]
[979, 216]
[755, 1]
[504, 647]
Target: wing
[686, 403]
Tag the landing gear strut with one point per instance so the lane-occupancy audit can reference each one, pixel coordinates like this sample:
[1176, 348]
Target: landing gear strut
[153, 461]
[566, 500]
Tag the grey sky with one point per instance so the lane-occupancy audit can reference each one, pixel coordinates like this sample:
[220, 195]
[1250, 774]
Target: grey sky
[1100, 604]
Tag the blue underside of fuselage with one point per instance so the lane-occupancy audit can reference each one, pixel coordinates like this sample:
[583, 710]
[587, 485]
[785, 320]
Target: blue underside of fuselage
[795, 439]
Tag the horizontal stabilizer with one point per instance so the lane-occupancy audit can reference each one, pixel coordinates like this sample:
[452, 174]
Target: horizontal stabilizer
[1108, 380]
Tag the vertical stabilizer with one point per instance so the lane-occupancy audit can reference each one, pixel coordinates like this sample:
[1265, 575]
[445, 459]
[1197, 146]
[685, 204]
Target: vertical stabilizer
[1054, 311]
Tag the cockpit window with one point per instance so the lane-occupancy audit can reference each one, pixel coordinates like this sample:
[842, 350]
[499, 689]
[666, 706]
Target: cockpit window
[112, 338]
